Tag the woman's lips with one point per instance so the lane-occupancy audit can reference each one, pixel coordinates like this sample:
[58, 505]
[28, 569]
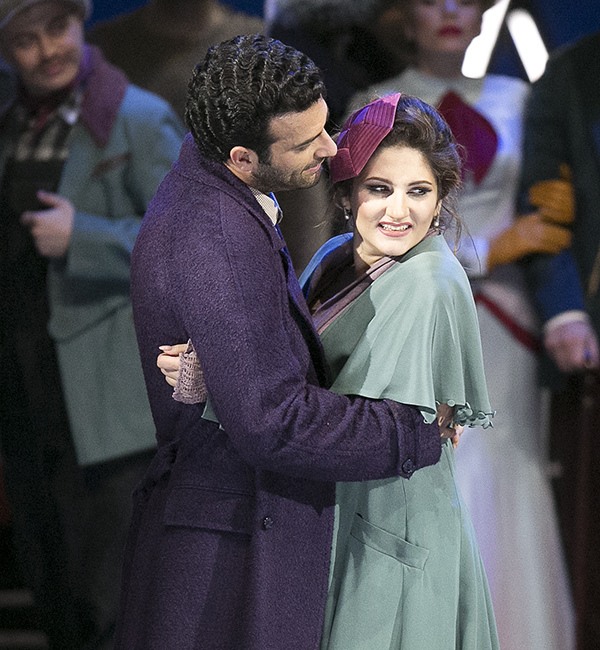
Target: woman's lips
[450, 31]
[394, 229]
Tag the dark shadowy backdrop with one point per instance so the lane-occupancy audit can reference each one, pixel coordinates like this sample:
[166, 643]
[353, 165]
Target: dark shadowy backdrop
[559, 21]
[105, 9]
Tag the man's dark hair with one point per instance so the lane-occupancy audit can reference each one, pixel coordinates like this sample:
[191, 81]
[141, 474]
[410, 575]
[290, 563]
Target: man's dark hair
[241, 85]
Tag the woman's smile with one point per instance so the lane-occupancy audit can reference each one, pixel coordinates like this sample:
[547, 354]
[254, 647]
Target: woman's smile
[394, 229]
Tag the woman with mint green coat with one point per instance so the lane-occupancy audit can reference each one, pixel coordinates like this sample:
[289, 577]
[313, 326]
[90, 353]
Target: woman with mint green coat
[397, 320]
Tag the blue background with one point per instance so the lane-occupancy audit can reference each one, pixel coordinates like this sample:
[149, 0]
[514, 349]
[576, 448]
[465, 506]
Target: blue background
[105, 9]
[559, 21]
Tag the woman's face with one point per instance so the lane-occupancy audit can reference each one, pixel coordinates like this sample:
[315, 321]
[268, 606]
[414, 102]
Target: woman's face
[393, 201]
[444, 27]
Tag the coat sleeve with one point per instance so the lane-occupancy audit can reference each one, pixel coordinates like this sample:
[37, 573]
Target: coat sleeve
[553, 279]
[102, 242]
[230, 292]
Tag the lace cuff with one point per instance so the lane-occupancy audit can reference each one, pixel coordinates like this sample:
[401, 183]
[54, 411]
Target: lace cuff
[465, 416]
[190, 387]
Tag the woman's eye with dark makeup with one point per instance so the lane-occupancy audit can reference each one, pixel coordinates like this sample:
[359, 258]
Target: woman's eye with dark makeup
[377, 188]
[421, 190]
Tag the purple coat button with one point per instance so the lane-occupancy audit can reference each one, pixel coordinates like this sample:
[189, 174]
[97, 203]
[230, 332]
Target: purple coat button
[408, 467]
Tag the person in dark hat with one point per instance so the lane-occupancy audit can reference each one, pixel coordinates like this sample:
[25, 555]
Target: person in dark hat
[562, 129]
[82, 152]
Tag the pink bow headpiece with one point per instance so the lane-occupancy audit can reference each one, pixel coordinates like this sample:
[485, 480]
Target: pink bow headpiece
[362, 134]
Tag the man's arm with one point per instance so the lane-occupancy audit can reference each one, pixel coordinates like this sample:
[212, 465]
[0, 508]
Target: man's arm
[554, 279]
[181, 368]
[98, 246]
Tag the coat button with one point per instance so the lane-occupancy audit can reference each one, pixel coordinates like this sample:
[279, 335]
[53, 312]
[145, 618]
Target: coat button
[267, 523]
[408, 467]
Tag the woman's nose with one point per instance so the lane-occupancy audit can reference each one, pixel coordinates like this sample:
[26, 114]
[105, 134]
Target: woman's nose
[397, 206]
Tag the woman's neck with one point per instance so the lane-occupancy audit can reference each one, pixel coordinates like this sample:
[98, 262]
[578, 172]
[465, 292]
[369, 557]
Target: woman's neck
[440, 65]
[362, 263]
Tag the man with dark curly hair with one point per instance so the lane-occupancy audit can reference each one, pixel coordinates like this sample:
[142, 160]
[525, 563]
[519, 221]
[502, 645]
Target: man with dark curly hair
[232, 530]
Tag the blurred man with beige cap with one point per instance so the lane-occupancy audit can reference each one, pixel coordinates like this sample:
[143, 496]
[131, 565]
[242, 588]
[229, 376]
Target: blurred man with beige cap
[81, 154]
[10, 8]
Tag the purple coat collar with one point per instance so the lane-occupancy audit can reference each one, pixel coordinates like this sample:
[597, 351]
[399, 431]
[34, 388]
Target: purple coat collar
[194, 165]
[104, 89]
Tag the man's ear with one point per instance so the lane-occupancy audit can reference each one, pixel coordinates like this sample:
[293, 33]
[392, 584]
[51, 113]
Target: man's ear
[242, 161]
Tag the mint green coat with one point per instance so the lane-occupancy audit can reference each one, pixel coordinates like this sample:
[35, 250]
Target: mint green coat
[406, 571]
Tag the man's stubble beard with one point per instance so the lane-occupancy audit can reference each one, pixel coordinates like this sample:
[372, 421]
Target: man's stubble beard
[272, 179]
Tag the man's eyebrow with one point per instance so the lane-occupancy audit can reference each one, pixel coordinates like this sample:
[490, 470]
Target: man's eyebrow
[306, 142]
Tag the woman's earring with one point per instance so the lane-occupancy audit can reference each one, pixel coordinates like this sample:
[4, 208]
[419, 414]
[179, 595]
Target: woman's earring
[347, 214]
[436, 221]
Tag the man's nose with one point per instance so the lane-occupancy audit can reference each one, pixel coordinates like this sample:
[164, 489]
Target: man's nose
[48, 46]
[327, 147]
